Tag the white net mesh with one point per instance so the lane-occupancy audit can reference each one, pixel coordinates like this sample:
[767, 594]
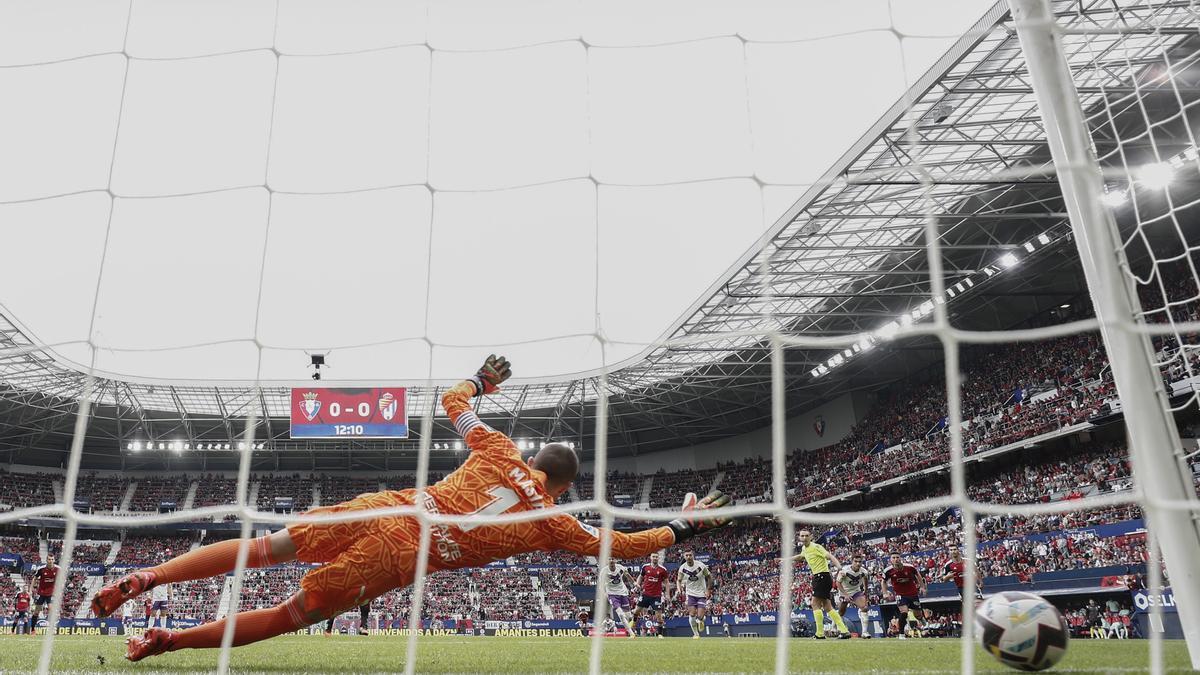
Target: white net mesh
[680, 121]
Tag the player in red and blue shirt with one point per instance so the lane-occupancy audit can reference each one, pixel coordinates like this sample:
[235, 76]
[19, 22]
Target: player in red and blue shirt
[652, 579]
[21, 612]
[44, 579]
[954, 570]
[908, 585]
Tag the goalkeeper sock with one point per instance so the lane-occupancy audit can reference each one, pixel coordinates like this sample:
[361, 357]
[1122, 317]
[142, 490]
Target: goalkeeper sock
[862, 621]
[819, 619]
[253, 626]
[211, 560]
[837, 621]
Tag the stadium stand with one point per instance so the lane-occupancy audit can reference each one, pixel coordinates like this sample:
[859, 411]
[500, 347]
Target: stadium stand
[1014, 393]
[22, 490]
[297, 488]
[153, 491]
[101, 492]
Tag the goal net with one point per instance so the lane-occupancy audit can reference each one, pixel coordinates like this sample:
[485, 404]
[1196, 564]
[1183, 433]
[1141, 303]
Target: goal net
[214, 196]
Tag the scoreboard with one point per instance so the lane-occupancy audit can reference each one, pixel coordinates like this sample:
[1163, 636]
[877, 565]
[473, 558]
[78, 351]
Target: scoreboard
[323, 412]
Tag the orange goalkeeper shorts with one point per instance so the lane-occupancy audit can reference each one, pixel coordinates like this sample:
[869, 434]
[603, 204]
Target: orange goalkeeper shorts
[362, 559]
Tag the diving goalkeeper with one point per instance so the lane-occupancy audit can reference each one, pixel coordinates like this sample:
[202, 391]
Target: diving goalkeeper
[366, 558]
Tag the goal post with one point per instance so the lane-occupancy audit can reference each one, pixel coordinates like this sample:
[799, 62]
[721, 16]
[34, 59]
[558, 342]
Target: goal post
[1155, 448]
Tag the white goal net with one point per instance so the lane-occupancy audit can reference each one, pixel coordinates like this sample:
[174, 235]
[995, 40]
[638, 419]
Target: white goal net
[202, 196]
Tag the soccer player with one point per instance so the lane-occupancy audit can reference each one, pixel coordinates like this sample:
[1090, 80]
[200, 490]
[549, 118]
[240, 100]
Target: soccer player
[954, 570]
[819, 560]
[365, 558]
[44, 579]
[615, 577]
[695, 583]
[852, 584]
[21, 612]
[651, 580]
[364, 613]
[908, 585]
[160, 602]
[584, 622]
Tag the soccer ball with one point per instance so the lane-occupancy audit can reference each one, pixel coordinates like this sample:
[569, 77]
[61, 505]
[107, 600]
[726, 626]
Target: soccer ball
[1022, 630]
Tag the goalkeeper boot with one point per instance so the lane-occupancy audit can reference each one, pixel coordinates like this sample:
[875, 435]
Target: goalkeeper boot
[108, 599]
[153, 642]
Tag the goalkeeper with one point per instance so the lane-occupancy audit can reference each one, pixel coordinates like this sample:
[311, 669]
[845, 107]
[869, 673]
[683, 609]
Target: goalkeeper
[366, 558]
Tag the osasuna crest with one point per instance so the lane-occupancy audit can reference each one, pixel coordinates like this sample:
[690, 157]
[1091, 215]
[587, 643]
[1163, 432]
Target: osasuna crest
[311, 405]
[387, 406]
[819, 425]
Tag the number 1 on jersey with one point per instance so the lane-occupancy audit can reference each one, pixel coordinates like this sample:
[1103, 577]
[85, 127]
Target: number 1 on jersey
[503, 499]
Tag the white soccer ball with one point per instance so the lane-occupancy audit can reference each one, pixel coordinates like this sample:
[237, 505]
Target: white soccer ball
[1022, 630]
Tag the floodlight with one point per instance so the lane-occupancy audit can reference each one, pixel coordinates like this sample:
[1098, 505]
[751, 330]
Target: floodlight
[1029, 246]
[458, 445]
[1114, 198]
[1156, 176]
[1009, 260]
[1043, 238]
[814, 373]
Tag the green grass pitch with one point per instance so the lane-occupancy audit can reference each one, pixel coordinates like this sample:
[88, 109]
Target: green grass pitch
[353, 654]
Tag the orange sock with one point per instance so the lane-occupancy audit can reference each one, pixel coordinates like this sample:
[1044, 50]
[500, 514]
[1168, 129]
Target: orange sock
[211, 560]
[253, 626]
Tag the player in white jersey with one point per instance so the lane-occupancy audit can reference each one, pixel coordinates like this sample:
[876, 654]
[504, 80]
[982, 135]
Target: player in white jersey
[160, 600]
[852, 584]
[695, 583]
[614, 577]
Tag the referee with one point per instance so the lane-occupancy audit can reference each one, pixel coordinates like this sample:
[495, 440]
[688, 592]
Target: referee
[819, 560]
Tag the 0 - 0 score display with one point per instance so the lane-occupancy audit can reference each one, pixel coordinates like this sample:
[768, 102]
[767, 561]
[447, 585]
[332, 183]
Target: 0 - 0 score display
[325, 412]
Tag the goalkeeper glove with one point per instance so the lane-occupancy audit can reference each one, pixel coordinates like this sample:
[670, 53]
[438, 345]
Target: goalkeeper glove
[690, 526]
[491, 374]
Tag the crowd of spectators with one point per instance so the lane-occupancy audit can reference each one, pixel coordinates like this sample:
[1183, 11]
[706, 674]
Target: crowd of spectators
[215, 490]
[152, 491]
[23, 490]
[339, 488]
[267, 587]
[84, 552]
[295, 487]
[409, 480]
[102, 492]
[616, 483]
[145, 551]
[22, 545]
[668, 489]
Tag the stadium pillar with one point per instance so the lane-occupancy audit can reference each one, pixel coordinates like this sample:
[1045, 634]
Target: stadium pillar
[1155, 447]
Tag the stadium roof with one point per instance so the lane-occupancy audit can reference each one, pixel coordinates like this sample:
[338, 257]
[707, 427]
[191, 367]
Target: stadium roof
[847, 256]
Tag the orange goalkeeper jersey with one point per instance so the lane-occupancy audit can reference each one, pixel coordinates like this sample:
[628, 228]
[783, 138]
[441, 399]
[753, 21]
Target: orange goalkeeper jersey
[495, 480]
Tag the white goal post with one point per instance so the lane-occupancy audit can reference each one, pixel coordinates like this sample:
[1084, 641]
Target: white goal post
[1155, 449]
